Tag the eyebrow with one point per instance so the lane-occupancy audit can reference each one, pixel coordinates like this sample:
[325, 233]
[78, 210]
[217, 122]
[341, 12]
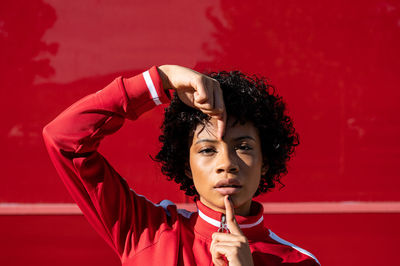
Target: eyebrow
[244, 137]
[206, 140]
[214, 140]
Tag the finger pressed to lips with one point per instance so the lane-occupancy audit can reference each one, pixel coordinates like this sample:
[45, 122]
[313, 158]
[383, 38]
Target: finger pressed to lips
[230, 217]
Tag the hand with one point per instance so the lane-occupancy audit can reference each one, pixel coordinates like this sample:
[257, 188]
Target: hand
[234, 246]
[197, 91]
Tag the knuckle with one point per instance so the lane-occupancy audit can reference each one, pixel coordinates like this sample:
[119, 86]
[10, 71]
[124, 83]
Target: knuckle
[202, 95]
[199, 79]
[214, 81]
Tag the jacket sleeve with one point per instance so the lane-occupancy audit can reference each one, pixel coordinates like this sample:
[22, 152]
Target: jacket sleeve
[125, 220]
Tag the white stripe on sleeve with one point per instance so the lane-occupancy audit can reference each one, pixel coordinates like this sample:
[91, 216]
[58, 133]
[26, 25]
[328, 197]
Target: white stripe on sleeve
[152, 89]
[280, 240]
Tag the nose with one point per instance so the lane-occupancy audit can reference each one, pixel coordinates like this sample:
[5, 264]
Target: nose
[226, 162]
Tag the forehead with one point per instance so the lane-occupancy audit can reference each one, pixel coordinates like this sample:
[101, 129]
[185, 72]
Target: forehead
[234, 129]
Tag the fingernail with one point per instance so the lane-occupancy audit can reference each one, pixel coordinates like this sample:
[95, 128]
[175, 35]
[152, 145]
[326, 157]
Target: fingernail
[229, 198]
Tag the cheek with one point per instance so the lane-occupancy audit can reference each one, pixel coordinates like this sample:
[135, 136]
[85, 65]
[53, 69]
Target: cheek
[253, 166]
[252, 161]
[199, 176]
[200, 168]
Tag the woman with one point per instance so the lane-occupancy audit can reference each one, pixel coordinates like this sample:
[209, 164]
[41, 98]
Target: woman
[226, 138]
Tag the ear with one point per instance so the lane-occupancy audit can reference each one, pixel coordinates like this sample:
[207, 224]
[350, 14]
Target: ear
[188, 172]
[264, 169]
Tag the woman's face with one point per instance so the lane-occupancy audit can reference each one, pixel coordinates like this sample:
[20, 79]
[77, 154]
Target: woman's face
[231, 166]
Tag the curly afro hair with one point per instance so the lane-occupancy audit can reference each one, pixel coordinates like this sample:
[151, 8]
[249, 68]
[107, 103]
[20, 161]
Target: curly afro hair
[247, 98]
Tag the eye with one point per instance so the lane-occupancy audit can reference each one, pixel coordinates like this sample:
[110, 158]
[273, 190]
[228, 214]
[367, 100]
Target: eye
[243, 147]
[207, 151]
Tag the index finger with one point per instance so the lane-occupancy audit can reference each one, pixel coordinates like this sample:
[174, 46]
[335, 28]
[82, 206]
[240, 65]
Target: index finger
[221, 124]
[230, 217]
[220, 105]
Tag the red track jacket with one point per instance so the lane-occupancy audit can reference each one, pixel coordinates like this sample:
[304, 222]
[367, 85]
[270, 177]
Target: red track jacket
[141, 232]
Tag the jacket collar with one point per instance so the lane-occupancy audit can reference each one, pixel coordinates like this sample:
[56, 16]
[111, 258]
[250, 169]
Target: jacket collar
[209, 221]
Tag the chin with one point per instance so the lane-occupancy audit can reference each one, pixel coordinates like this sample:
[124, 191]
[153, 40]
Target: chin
[239, 201]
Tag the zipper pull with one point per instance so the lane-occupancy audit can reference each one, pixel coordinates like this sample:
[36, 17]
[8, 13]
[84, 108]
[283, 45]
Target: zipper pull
[223, 228]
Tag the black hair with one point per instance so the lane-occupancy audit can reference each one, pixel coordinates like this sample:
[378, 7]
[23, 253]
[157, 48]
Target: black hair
[246, 98]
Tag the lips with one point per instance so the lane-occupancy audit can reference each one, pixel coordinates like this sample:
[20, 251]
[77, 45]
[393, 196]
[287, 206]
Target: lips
[228, 186]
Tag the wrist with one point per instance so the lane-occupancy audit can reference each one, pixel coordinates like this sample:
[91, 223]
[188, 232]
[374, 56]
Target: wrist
[163, 72]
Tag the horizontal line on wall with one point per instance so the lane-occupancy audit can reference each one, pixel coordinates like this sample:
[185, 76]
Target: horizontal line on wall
[269, 208]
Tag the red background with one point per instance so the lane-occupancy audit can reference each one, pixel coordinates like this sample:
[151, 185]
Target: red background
[335, 62]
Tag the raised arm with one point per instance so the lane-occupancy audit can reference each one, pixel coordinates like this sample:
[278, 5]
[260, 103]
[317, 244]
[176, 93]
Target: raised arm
[72, 140]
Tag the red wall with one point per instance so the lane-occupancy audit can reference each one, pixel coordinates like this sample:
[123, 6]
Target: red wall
[336, 63]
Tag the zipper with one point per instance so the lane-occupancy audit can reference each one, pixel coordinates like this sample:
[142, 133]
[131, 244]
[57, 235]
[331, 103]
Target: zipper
[223, 228]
